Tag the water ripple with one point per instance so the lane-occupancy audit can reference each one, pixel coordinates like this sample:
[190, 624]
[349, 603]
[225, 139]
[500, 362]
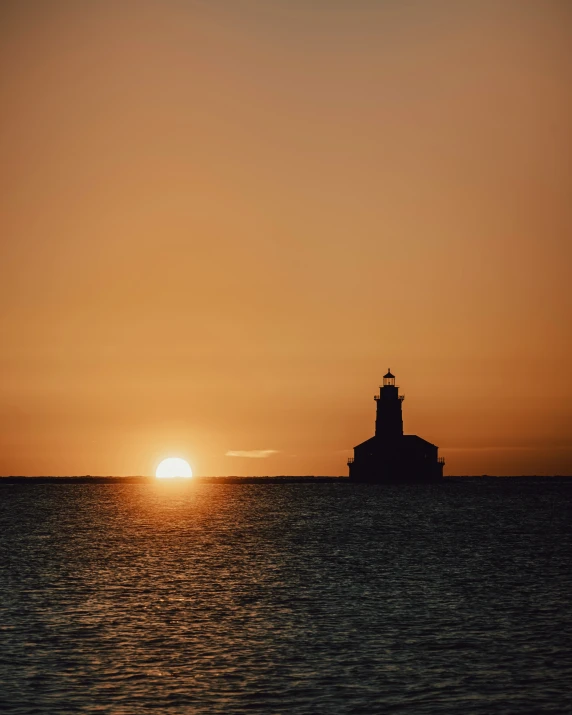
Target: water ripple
[329, 598]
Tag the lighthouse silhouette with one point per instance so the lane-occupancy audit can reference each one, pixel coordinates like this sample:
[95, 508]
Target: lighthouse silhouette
[391, 456]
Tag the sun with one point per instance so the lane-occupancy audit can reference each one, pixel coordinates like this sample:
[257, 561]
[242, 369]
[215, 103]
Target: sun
[173, 467]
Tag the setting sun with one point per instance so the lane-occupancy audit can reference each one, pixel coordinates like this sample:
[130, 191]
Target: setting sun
[173, 467]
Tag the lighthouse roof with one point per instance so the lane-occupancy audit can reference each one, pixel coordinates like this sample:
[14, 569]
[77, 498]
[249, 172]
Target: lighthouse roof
[388, 375]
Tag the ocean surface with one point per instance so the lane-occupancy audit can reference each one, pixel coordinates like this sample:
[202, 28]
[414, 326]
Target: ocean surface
[286, 598]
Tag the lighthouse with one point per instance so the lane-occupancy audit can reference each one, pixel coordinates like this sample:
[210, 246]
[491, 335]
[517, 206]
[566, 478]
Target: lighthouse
[389, 417]
[391, 456]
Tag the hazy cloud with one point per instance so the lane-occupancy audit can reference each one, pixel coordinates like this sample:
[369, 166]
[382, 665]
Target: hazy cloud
[505, 448]
[252, 453]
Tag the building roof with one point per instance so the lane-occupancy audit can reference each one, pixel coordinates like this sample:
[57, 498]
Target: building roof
[371, 440]
[388, 375]
[410, 440]
[413, 438]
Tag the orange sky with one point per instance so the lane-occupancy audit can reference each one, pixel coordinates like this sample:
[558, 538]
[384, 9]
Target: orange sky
[222, 220]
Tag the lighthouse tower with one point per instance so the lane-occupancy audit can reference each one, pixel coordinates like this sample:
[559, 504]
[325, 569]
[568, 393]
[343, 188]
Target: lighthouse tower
[391, 456]
[389, 418]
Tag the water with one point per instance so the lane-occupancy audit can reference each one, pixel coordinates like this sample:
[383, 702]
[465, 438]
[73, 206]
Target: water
[291, 598]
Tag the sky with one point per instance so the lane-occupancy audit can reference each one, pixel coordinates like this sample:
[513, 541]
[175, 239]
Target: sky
[221, 221]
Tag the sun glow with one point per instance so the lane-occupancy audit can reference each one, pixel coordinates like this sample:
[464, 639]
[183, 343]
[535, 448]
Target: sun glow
[173, 467]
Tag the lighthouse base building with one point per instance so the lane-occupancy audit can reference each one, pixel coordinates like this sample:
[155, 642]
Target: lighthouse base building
[391, 456]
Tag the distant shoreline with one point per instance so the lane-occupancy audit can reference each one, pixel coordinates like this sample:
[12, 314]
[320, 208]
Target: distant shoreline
[88, 479]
